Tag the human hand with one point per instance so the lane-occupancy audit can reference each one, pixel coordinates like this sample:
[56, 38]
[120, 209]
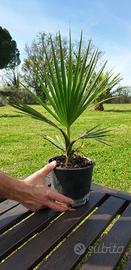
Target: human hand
[38, 195]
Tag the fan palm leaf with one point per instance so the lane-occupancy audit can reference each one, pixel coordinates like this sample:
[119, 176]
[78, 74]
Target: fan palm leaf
[69, 92]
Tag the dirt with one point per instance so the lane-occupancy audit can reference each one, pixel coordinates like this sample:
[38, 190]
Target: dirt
[76, 162]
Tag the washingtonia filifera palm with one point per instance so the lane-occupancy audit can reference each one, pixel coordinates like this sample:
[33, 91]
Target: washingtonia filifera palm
[69, 92]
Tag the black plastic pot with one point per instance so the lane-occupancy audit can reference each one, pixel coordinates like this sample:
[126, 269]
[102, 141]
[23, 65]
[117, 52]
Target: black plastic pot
[74, 182]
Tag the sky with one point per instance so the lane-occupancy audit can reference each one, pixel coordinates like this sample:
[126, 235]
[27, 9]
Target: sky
[106, 22]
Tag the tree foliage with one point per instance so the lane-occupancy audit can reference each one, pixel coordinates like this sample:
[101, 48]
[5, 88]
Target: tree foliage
[123, 91]
[34, 52]
[9, 54]
[107, 95]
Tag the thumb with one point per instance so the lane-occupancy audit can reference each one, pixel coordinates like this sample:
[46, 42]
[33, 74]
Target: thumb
[47, 168]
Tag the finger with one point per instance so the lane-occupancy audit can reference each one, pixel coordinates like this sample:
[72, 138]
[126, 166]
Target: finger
[59, 197]
[42, 172]
[47, 168]
[58, 206]
[69, 208]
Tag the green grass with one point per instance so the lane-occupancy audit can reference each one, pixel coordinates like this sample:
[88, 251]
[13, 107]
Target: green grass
[23, 149]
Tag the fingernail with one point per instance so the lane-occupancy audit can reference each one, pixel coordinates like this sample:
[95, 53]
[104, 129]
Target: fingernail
[72, 209]
[53, 163]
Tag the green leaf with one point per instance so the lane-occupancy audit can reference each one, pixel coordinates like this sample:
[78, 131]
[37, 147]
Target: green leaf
[40, 102]
[63, 70]
[69, 78]
[55, 85]
[32, 112]
[54, 142]
[53, 101]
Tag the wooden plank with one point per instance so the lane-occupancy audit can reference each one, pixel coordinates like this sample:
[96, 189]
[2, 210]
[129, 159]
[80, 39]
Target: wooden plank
[38, 247]
[11, 217]
[71, 251]
[23, 231]
[113, 246]
[120, 194]
[128, 266]
[7, 205]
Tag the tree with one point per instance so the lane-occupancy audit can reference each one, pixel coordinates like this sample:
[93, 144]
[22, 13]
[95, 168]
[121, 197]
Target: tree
[36, 51]
[9, 54]
[123, 93]
[11, 78]
[107, 94]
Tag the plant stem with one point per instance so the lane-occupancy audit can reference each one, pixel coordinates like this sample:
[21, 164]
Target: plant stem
[68, 145]
[68, 133]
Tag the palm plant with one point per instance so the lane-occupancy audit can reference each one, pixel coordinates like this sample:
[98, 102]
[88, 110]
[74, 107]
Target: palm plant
[69, 92]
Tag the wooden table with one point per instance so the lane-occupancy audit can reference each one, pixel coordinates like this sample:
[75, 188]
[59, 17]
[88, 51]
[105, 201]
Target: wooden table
[51, 240]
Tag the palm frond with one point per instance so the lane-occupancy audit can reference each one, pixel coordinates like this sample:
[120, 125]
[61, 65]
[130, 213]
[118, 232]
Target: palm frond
[70, 81]
[96, 133]
[28, 110]
[40, 102]
[69, 92]
[54, 142]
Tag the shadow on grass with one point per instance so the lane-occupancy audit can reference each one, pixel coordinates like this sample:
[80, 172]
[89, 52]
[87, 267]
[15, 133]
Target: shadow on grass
[11, 116]
[125, 111]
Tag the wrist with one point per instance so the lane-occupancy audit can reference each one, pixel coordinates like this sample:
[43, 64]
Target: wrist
[17, 190]
[11, 187]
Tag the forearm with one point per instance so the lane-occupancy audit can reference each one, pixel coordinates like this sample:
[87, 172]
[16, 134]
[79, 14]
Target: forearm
[10, 187]
[33, 191]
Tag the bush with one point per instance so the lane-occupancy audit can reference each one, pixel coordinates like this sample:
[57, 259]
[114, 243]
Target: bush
[11, 94]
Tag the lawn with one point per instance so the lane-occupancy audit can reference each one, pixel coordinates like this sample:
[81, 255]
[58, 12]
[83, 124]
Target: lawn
[23, 149]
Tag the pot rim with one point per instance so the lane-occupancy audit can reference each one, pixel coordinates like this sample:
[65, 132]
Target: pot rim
[76, 169]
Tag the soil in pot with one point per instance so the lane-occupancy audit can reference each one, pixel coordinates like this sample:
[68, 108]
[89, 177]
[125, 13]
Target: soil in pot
[73, 179]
